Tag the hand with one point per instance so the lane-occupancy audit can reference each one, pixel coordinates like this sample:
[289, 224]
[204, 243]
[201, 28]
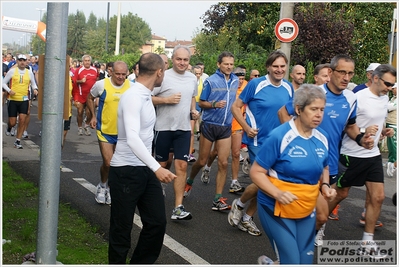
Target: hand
[367, 141]
[220, 104]
[35, 92]
[388, 132]
[286, 197]
[93, 122]
[251, 132]
[372, 130]
[12, 92]
[175, 99]
[194, 114]
[328, 193]
[83, 80]
[164, 175]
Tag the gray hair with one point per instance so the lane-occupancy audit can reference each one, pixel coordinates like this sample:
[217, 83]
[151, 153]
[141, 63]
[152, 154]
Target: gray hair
[306, 94]
[179, 47]
[85, 56]
[382, 69]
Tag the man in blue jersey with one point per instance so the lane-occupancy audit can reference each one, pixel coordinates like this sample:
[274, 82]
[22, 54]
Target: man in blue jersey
[263, 97]
[339, 116]
[218, 94]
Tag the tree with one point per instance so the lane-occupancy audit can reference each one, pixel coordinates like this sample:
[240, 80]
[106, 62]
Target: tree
[134, 32]
[76, 34]
[92, 22]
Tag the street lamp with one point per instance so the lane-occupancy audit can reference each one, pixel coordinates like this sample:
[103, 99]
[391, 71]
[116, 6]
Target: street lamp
[40, 19]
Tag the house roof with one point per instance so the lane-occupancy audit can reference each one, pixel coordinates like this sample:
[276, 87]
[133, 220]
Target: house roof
[172, 44]
[155, 37]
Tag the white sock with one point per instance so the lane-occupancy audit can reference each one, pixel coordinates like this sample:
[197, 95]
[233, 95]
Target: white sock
[234, 181]
[103, 185]
[207, 168]
[368, 236]
[246, 217]
[239, 203]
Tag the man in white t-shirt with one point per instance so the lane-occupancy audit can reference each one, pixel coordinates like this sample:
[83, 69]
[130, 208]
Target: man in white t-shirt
[359, 166]
[175, 105]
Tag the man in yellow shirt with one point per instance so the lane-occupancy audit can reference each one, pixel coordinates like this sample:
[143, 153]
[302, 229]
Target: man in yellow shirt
[19, 79]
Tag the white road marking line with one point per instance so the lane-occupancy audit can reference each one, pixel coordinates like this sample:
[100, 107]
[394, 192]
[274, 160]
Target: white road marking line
[169, 242]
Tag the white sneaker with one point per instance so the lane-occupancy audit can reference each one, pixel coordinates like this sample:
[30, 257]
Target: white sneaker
[100, 195]
[390, 169]
[265, 260]
[241, 159]
[246, 165]
[80, 131]
[235, 214]
[87, 131]
[107, 196]
[25, 134]
[371, 249]
[13, 131]
[318, 240]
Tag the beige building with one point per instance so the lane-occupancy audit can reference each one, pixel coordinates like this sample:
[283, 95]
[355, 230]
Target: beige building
[161, 45]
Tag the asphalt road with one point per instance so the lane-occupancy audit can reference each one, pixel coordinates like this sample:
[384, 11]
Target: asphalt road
[207, 238]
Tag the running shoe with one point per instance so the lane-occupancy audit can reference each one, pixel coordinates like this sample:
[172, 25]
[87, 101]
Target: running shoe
[17, 144]
[13, 131]
[318, 240]
[241, 159]
[8, 131]
[265, 260]
[25, 135]
[179, 213]
[80, 131]
[249, 227]
[390, 169]
[362, 220]
[236, 188]
[220, 204]
[100, 195]
[205, 176]
[87, 131]
[191, 158]
[334, 214]
[107, 196]
[246, 165]
[235, 213]
[164, 188]
[371, 249]
[187, 190]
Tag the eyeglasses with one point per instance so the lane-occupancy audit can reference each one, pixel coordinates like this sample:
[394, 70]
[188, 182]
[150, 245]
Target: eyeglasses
[387, 84]
[240, 74]
[344, 73]
[256, 75]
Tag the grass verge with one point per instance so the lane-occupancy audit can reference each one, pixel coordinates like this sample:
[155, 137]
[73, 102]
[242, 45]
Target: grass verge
[78, 241]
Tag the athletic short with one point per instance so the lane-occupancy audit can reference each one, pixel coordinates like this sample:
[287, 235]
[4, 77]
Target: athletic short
[16, 107]
[252, 152]
[80, 98]
[357, 171]
[214, 132]
[176, 142]
[67, 124]
[107, 138]
[333, 179]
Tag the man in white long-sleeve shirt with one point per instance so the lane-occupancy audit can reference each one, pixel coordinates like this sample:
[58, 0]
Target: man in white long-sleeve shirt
[134, 176]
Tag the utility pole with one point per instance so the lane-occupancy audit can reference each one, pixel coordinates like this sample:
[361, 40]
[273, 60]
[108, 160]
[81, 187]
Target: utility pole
[52, 114]
[106, 33]
[118, 30]
[286, 11]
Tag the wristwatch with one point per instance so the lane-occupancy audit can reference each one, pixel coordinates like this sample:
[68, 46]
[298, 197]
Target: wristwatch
[362, 130]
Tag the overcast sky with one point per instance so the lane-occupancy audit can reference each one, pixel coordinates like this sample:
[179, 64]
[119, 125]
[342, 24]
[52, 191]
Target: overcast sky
[169, 19]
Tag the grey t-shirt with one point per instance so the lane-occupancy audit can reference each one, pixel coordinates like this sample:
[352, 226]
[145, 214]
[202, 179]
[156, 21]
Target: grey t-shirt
[172, 117]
